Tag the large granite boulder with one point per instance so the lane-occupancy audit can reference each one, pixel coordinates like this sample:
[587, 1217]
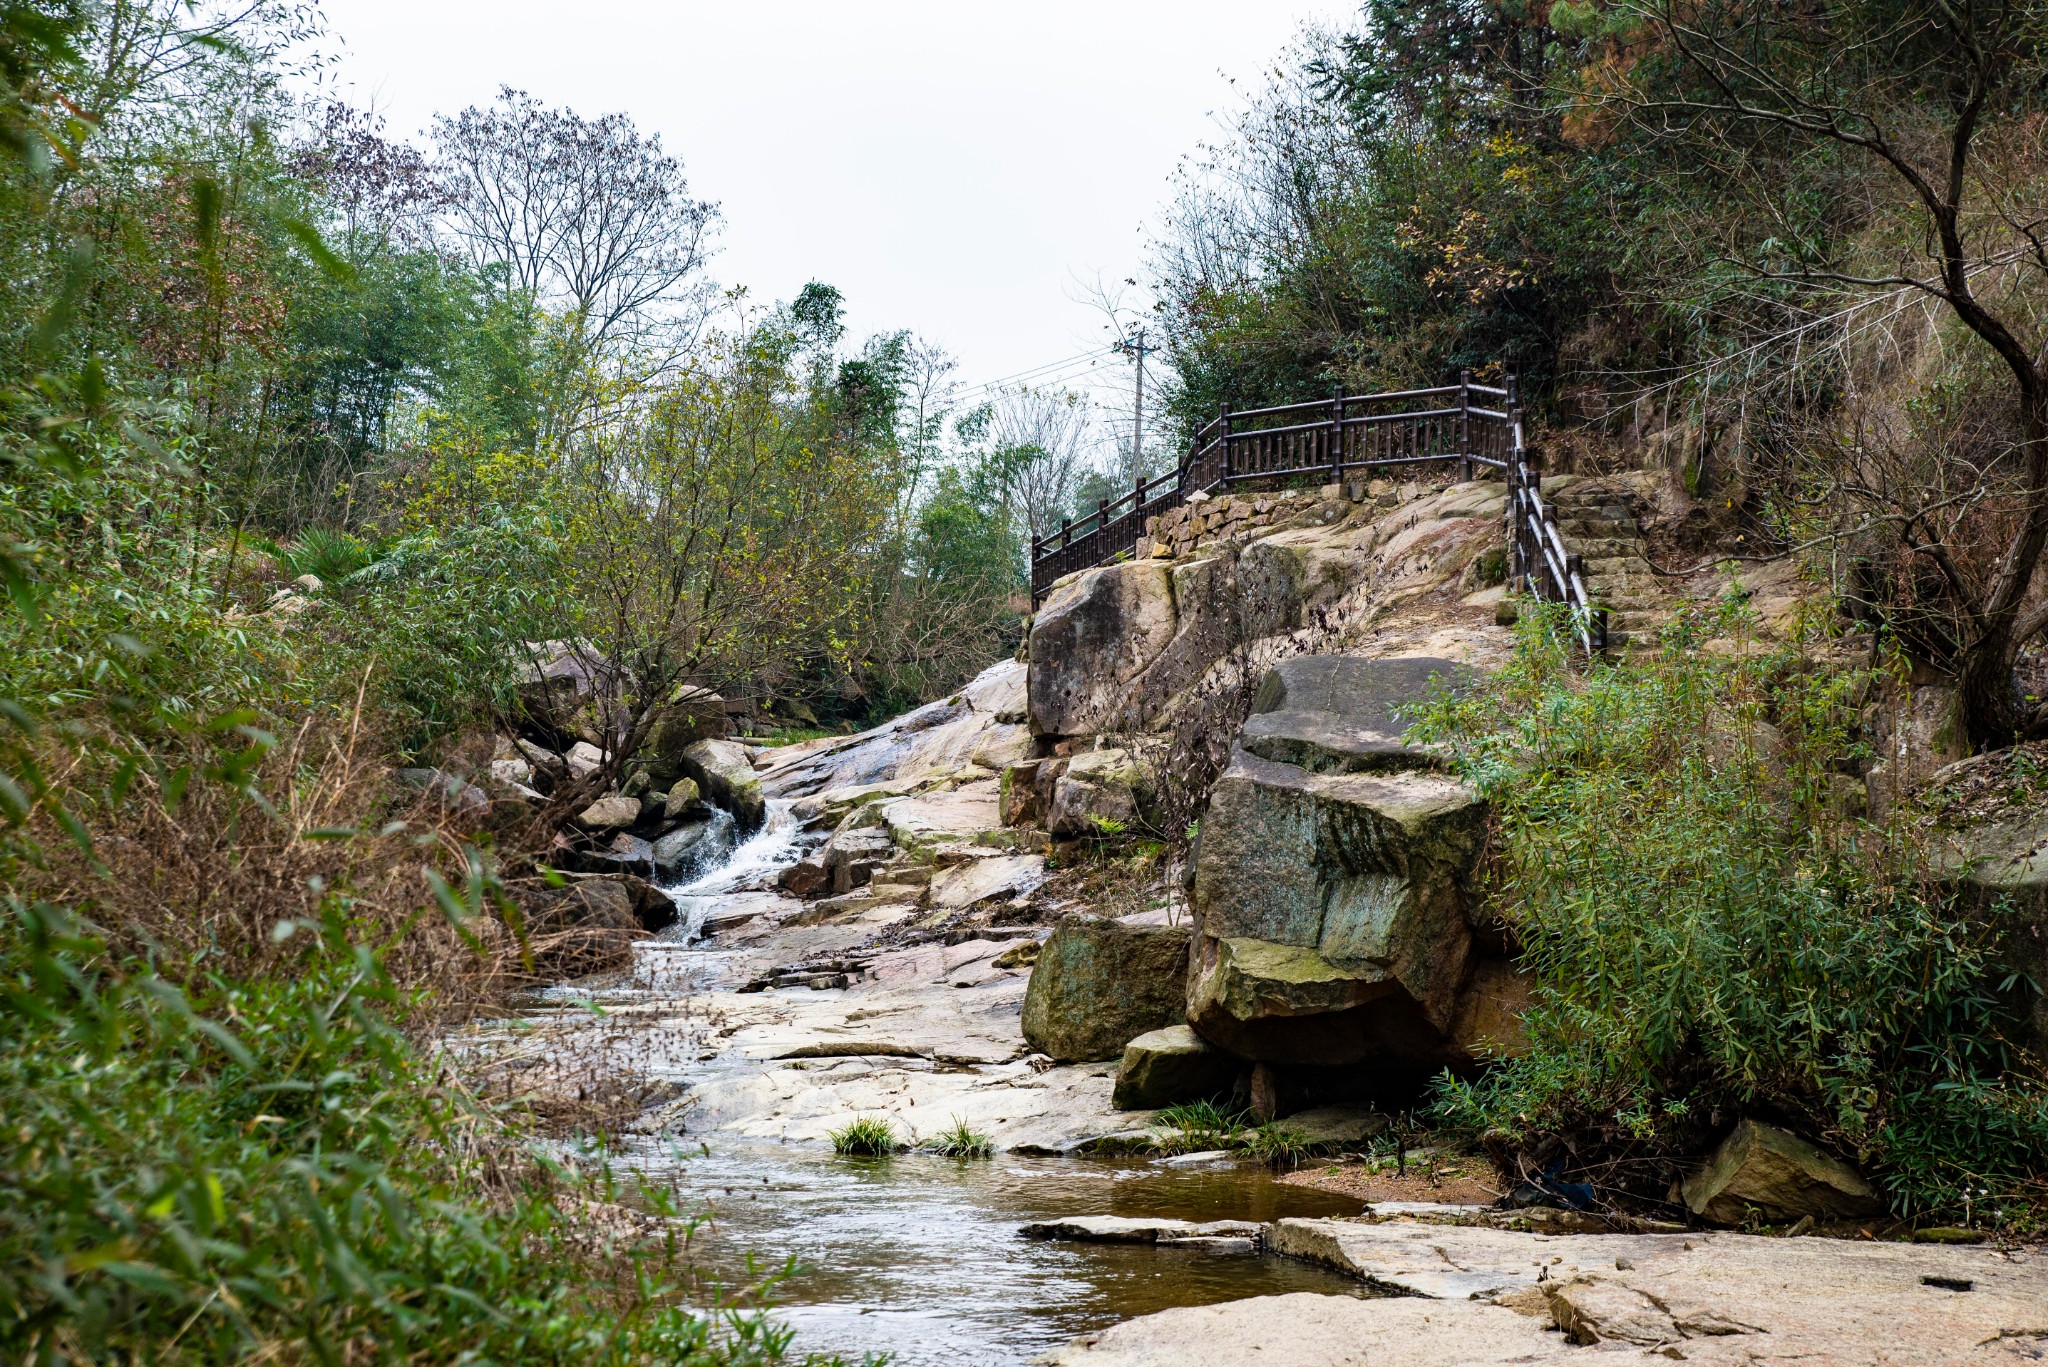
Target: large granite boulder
[724, 773]
[692, 848]
[1090, 639]
[1099, 984]
[1339, 713]
[1333, 923]
[1099, 791]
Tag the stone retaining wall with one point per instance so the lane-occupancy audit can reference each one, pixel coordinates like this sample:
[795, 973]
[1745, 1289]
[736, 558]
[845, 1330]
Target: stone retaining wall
[1193, 526]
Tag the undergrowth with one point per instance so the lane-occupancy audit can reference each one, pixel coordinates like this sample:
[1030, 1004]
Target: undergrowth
[212, 1171]
[1199, 1126]
[1713, 936]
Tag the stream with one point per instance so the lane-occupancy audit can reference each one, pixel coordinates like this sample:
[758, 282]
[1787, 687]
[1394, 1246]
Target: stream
[918, 1257]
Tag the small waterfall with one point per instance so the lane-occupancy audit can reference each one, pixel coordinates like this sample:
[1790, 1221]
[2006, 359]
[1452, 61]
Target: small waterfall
[753, 863]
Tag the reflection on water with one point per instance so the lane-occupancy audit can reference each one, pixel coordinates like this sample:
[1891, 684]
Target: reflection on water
[919, 1256]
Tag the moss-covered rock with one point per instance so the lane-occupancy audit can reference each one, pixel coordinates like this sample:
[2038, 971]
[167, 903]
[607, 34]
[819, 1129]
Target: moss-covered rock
[1099, 984]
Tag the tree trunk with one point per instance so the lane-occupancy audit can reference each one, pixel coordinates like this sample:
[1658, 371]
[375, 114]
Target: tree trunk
[1986, 704]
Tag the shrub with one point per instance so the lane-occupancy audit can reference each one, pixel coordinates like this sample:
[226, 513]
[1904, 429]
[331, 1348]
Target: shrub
[960, 1140]
[327, 553]
[1711, 938]
[222, 1171]
[867, 1136]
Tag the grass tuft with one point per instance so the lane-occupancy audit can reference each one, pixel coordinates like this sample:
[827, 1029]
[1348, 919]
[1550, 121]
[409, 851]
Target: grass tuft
[960, 1140]
[867, 1136]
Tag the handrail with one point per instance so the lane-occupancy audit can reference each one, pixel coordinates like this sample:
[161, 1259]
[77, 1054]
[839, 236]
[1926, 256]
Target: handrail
[1232, 448]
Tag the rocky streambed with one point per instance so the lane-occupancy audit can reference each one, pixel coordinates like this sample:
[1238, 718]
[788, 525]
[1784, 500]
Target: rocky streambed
[869, 953]
[1007, 1259]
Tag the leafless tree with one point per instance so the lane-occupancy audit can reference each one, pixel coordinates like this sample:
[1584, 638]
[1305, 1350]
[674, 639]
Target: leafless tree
[1047, 433]
[586, 215]
[375, 185]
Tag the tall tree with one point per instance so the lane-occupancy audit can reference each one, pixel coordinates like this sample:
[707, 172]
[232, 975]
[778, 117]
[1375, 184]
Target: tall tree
[1940, 104]
[589, 216]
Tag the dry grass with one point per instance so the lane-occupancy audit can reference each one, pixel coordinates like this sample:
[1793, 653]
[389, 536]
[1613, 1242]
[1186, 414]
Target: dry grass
[224, 884]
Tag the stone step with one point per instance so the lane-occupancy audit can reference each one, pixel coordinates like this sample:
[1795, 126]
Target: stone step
[1575, 528]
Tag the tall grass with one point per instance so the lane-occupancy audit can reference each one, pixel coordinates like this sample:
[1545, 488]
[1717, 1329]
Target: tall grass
[1712, 937]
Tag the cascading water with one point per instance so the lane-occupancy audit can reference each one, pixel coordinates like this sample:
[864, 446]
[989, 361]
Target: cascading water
[752, 863]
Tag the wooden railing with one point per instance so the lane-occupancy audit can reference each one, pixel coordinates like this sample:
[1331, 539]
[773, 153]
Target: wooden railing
[1470, 425]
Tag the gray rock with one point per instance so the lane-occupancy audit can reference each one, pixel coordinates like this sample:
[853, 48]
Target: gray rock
[1099, 984]
[609, 813]
[689, 850]
[1331, 915]
[1118, 1229]
[682, 801]
[1092, 637]
[1337, 1124]
[1779, 1176]
[625, 854]
[1339, 713]
[1170, 1066]
[725, 774]
[1099, 792]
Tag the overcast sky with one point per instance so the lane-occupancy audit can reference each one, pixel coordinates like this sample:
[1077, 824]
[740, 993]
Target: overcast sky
[951, 167]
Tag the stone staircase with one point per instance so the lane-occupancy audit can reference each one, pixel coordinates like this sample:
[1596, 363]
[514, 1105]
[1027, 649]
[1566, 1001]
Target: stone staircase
[1599, 519]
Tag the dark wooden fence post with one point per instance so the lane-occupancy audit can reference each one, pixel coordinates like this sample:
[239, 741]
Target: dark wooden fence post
[1337, 438]
[1465, 424]
[1223, 420]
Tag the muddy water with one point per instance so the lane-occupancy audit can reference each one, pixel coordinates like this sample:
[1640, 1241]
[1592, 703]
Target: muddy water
[918, 1257]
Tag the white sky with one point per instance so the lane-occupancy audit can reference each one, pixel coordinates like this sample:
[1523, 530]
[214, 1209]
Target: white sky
[951, 165]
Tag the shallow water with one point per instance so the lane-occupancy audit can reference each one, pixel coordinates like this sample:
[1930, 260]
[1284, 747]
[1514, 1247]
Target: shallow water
[919, 1257]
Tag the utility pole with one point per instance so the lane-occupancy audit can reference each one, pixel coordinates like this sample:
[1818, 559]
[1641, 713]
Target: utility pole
[1136, 345]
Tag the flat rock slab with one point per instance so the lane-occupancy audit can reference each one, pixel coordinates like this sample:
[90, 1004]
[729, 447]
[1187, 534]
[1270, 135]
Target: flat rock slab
[1725, 1297]
[917, 823]
[1342, 713]
[1308, 1330]
[980, 880]
[1119, 1229]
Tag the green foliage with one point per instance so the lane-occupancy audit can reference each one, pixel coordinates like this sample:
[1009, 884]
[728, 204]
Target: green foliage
[327, 554]
[210, 1172]
[1710, 937]
[1199, 1126]
[866, 1136]
[958, 1140]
